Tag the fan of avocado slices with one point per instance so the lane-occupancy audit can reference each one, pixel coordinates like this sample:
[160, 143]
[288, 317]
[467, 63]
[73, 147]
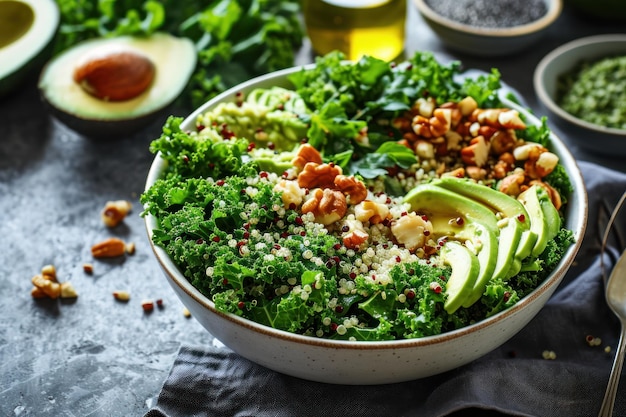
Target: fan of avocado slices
[235, 39]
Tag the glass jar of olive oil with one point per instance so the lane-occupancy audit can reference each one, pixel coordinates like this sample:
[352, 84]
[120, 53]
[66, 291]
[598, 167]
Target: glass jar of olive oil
[356, 27]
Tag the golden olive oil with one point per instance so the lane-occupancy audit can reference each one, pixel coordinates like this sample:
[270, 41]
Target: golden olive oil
[356, 27]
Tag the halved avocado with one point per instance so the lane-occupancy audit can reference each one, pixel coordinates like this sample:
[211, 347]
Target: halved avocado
[174, 61]
[27, 29]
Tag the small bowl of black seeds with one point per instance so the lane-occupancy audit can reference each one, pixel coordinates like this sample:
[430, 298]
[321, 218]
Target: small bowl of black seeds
[489, 27]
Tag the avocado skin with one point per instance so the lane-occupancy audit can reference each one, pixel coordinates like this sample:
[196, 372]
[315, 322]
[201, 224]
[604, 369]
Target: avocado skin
[553, 218]
[10, 83]
[523, 251]
[106, 129]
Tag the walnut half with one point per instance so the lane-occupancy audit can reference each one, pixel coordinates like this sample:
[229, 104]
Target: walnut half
[316, 175]
[306, 154]
[351, 187]
[328, 206]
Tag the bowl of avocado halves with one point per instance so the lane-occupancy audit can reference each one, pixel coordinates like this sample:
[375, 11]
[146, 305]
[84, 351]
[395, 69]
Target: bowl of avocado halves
[364, 222]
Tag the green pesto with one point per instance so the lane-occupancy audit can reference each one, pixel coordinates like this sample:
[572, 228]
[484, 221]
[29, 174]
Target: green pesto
[595, 91]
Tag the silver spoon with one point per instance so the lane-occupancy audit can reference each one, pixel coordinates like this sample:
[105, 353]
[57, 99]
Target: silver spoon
[616, 299]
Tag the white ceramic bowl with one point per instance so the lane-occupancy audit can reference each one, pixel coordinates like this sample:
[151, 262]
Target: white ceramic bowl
[488, 41]
[365, 363]
[592, 137]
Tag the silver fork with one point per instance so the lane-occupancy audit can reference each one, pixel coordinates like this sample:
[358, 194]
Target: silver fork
[616, 299]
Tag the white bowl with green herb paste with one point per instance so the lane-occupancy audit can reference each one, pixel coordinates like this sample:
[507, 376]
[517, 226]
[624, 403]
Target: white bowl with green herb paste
[582, 84]
[363, 223]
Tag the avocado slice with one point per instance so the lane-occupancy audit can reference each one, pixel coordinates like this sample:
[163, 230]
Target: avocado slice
[485, 246]
[174, 61]
[435, 200]
[27, 30]
[534, 240]
[510, 236]
[498, 201]
[553, 218]
[462, 219]
[545, 221]
[524, 249]
[465, 270]
[513, 222]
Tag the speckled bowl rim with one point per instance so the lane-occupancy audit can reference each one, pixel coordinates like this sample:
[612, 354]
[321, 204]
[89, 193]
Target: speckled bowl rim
[550, 103]
[548, 285]
[554, 8]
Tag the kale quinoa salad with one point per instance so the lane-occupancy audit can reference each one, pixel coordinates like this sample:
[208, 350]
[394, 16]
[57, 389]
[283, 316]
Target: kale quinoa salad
[371, 201]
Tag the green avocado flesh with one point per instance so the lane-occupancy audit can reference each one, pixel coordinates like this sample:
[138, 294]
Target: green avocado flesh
[465, 270]
[498, 201]
[545, 221]
[27, 30]
[465, 220]
[498, 231]
[513, 218]
[16, 18]
[263, 112]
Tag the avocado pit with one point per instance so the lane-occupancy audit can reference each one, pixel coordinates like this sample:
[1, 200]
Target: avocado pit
[114, 74]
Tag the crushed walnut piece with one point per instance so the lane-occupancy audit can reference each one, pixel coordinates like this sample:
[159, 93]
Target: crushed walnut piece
[46, 285]
[114, 212]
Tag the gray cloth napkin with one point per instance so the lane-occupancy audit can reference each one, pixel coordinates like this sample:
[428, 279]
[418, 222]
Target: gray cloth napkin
[513, 380]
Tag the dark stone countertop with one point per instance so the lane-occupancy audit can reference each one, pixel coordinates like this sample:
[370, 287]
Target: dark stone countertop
[93, 355]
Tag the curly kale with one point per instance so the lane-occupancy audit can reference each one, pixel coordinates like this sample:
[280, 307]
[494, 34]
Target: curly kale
[190, 155]
[225, 238]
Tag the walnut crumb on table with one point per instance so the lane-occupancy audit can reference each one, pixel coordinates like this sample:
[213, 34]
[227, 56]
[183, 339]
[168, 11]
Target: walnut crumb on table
[114, 212]
[121, 295]
[46, 285]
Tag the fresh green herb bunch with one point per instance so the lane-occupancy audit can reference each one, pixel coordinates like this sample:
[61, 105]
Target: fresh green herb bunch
[235, 39]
